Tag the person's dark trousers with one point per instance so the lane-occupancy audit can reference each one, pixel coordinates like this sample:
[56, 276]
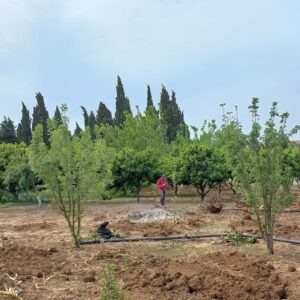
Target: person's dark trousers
[162, 197]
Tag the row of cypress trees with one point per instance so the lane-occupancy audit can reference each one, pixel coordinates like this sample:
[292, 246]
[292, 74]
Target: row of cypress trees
[169, 113]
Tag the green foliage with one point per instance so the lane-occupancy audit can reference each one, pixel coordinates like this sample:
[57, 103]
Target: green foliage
[85, 116]
[103, 115]
[291, 160]
[122, 104]
[7, 131]
[92, 124]
[264, 176]
[150, 106]
[19, 178]
[142, 132]
[13, 160]
[109, 285]
[202, 166]
[131, 170]
[40, 116]
[77, 130]
[24, 128]
[231, 140]
[238, 239]
[171, 116]
[57, 117]
[71, 168]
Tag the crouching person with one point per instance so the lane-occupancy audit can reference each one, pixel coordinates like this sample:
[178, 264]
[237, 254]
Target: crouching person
[104, 232]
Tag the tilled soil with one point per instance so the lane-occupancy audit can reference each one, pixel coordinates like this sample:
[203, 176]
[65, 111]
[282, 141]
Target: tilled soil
[37, 248]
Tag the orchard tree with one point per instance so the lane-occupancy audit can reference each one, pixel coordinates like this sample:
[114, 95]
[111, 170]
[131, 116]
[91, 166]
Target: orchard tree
[11, 156]
[202, 166]
[265, 179]
[143, 132]
[132, 170]
[231, 140]
[70, 168]
[19, 178]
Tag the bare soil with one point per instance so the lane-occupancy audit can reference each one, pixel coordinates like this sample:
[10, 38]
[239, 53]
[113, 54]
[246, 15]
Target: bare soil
[35, 245]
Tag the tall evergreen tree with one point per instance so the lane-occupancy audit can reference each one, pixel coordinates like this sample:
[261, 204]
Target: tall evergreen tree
[85, 116]
[171, 115]
[150, 105]
[24, 133]
[57, 117]
[92, 124]
[104, 115]
[149, 97]
[7, 131]
[122, 103]
[40, 116]
[78, 130]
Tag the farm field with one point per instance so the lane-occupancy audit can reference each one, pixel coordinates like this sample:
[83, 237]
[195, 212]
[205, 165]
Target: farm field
[36, 246]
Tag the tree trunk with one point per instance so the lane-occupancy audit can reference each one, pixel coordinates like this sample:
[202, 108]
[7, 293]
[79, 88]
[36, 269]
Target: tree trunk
[269, 241]
[138, 196]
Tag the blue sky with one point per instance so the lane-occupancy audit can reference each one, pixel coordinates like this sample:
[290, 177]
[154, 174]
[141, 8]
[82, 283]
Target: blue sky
[208, 51]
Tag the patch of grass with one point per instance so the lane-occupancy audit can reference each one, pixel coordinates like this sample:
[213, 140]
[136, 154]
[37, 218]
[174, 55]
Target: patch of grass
[238, 239]
[109, 285]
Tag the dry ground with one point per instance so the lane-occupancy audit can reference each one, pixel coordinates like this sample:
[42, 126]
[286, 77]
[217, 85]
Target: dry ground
[37, 247]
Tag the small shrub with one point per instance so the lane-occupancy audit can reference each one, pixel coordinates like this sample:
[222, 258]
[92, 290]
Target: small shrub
[109, 285]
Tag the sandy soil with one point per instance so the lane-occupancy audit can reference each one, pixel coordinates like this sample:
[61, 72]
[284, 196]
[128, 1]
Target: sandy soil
[37, 247]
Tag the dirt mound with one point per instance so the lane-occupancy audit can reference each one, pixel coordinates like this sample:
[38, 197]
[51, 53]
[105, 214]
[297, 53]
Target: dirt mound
[245, 225]
[215, 276]
[21, 260]
[151, 215]
[283, 230]
[160, 228]
[34, 226]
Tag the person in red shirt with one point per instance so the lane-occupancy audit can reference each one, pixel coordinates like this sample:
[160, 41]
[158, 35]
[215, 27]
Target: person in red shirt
[162, 185]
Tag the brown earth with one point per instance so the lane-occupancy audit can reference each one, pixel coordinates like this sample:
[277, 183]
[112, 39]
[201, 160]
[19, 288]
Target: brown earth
[35, 245]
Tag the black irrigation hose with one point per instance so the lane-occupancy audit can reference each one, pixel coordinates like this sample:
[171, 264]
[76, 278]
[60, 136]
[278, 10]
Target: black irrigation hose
[179, 237]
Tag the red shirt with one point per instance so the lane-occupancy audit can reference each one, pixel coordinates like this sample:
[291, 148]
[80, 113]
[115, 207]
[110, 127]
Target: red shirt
[162, 184]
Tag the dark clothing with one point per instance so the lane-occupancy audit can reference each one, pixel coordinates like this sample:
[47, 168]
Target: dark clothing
[104, 232]
[162, 197]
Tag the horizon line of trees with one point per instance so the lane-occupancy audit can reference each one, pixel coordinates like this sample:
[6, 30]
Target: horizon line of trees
[168, 112]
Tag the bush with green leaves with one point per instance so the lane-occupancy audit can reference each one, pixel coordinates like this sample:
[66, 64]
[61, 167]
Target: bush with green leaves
[264, 177]
[71, 167]
[202, 166]
[132, 170]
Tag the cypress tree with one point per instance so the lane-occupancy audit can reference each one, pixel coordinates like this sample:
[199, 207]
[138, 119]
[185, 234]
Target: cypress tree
[170, 114]
[122, 103]
[24, 133]
[78, 130]
[104, 115]
[149, 97]
[92, 124]
[150, 105]
[8, 131]
[85, 116]
[57, 117]
[164, 103]
[40, 116]
[164, 110]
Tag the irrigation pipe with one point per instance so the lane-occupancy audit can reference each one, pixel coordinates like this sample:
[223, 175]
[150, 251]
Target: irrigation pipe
[179, 237]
